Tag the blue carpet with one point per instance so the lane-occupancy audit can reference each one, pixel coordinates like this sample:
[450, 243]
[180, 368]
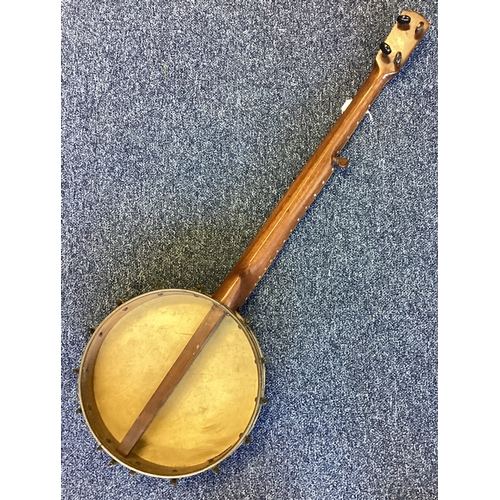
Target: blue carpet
[183, 124]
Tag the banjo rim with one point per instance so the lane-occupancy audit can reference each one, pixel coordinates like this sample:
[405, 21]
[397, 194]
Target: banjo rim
[91, 413]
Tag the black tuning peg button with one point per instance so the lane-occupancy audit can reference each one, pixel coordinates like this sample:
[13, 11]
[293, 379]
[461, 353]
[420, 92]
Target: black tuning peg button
[403, 21]
[419, 29]
[385, 48]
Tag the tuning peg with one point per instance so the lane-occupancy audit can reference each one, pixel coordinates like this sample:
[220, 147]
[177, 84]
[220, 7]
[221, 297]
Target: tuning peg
[76, 371]
[397, 59]
[385, 48]
[173, 481]
[403, 21]
[419, 29]
[113, 462]
[247, 439]
[216, 469]
[341, 162]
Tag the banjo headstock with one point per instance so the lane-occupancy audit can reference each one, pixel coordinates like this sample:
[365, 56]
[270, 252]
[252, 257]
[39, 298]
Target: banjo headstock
[406, 34]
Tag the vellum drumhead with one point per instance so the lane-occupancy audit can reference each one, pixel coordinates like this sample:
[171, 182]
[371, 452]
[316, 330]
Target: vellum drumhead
[211, 410]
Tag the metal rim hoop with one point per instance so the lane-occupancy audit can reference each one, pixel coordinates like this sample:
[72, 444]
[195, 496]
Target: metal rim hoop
[94, 373]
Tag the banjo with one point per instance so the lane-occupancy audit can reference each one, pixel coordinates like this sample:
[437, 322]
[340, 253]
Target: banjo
[172, 381]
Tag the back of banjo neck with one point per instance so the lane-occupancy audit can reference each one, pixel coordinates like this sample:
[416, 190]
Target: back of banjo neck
[242, 279]
[393, 53]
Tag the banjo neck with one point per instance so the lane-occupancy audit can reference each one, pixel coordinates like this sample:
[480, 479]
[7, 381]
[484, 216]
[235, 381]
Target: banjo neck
[260, 253]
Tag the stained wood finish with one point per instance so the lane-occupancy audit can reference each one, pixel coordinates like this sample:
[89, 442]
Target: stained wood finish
[256, 259]
[254, 262]
[172, 378]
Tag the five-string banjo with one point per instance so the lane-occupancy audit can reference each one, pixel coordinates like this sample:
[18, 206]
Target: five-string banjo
[172, 381]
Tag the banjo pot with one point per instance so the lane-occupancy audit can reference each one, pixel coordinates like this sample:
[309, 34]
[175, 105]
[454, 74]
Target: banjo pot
[215, 405]
[172, 382]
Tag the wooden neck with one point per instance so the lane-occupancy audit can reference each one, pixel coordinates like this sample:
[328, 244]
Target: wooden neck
[394, 52]
[262, 250]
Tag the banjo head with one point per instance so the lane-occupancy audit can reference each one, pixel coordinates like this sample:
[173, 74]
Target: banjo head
[211, 411]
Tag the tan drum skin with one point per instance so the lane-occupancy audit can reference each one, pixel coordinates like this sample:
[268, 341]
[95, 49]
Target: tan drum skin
[211, 411]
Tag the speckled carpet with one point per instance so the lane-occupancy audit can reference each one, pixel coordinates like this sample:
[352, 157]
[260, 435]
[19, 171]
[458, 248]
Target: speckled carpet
[183, 124]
